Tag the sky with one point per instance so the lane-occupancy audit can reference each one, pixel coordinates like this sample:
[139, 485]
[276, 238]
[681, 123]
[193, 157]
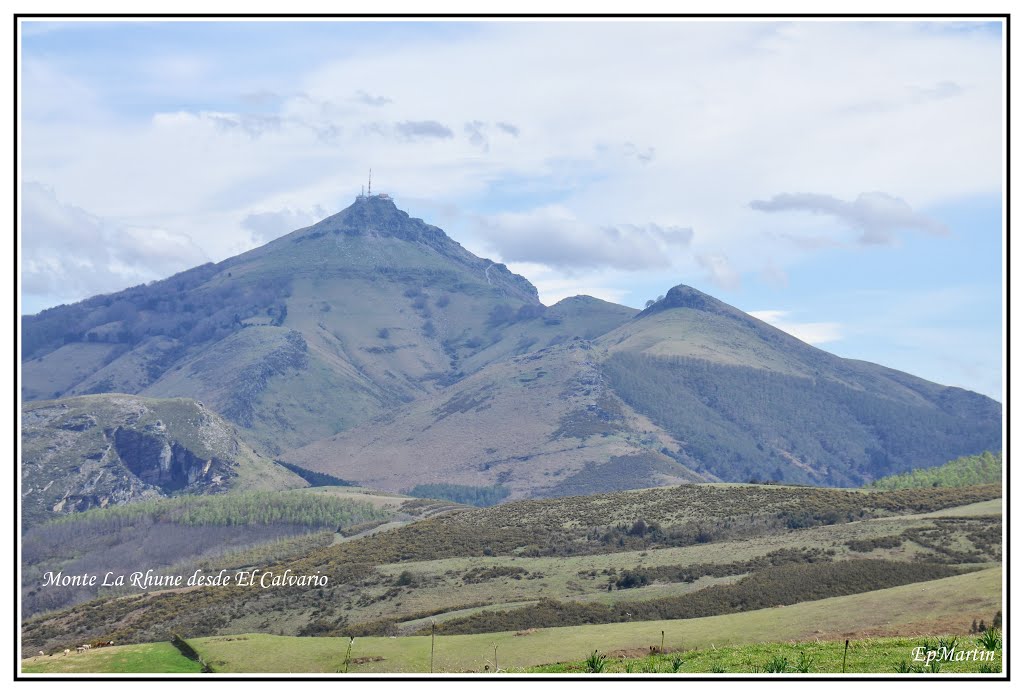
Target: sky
[842, 180]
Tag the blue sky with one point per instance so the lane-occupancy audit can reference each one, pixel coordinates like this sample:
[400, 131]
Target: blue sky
[842, 180]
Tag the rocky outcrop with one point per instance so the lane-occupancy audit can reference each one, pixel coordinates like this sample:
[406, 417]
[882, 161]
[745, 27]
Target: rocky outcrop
[163, 463]
[100, 451]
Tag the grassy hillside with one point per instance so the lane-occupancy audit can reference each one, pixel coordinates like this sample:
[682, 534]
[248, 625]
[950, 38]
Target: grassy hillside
[572, 319]
[105, 450]
[985, 468]
[154, 657]
[640, 547]
[803, 578]
[745, 401]
[691, 389]
[541, 424]
[738, 642]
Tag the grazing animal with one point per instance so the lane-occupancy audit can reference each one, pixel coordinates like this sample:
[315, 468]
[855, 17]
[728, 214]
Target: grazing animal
[79, 649]
[66, 652]
[42, 653]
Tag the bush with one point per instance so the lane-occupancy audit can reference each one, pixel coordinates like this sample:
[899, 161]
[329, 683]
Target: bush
[991, 639]
[595, 663]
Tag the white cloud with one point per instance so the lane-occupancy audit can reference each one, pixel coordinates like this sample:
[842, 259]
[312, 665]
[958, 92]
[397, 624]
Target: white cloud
[365, 97]
[413, 130]
[814, 333]
[553, 236]
[719, 271]
[876, 215]
[688, 122]
[68, 253]
[554, 286]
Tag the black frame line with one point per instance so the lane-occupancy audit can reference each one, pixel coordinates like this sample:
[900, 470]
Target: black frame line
[539, 677]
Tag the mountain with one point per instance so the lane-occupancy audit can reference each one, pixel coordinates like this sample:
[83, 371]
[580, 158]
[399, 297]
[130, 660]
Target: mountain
[689, 389]
[104, 450]
[306, 336]
[372, 347]
[540, 424]
[746, 400]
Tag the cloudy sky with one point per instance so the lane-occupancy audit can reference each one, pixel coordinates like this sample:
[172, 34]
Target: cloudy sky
[841, 180]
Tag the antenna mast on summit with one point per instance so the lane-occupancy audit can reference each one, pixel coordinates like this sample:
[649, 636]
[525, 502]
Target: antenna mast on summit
[369, 184]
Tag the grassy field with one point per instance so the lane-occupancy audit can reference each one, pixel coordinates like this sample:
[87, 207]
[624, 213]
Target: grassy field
[945, 606]
[153, 657]
[738, 643]
[873, 655]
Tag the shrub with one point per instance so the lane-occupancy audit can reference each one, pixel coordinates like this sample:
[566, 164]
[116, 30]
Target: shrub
[991, 639]
[803, 664]
[595, 663]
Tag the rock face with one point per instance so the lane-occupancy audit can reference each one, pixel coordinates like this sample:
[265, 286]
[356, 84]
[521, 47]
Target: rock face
[166, 464]
[97, 451]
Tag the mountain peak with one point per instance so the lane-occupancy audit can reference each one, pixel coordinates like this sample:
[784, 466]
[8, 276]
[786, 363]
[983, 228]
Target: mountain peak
[378, 199]
[380, 204]
[375, 216]
[361, 238]
[686, 297]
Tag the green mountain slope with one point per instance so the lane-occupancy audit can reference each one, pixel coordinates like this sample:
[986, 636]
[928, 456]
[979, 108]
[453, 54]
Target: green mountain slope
[689, 389]
[105, 450]
[295, 340]
[745, 400]
[543, 423]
